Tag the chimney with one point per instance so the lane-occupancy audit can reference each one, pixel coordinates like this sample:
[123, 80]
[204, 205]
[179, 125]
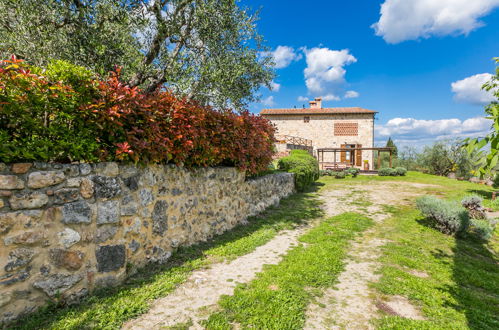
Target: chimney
[316, 103]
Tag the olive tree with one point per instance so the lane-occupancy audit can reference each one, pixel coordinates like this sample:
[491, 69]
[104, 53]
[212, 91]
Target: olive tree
[490, 143]
[208, 50]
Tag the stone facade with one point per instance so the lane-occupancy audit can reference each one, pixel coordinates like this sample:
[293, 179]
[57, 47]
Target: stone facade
[319, 124]
[67, 229]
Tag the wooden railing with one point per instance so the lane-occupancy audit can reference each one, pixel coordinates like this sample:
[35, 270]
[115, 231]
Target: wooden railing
[288, 139]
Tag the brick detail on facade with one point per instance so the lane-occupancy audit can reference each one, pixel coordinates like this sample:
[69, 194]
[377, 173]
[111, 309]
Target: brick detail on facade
[346, 129]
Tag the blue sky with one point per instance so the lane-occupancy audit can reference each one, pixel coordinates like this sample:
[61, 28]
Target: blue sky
[404, 68]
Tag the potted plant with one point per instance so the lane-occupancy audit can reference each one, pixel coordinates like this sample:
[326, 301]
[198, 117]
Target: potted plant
[366, 165]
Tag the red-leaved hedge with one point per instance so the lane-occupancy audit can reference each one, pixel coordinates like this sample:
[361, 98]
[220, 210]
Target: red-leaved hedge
[108, 120]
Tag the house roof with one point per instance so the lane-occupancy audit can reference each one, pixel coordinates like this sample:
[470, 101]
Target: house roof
[321, 111]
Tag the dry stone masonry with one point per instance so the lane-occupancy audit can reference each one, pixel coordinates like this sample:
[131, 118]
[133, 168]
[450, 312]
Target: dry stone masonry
[66, 229]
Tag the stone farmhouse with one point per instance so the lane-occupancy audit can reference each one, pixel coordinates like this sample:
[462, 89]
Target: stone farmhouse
[346, 134]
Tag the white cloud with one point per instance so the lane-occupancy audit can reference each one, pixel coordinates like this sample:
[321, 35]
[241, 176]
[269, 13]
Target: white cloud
[302, 99]
[325, 68]
[416, 131]
[275, 87]
[351, 94]
[283, 56]
[330, 97]
[413, 19]
[268, 101]
[469, 90]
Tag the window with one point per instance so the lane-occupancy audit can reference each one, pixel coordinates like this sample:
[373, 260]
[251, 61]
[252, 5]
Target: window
[306, 119]
[346, 129]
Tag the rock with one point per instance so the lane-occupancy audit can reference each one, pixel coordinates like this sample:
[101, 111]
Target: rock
[45, 270]
[27, 237]
[105, 232]
[127, 171]
[108, 212]
[107, 169]
[45, 179]
[72, 170]
[28, 201]
[5, 193]
[159, 218]
[107, 282]
[159, 255]
[68, 237]
[65, 195]
[176, 192]
[71, 260]
[106, 187]
[146, 197]
[76, 212]
[128, 206]
[57, 283]
[5, 298]
[19, 258]
[134, 226]
[110, 257]
[132, 182]
[11, 278]
[86, 188]
[11, 182]
[134, 246]
[73, 182]
[2, 204]
[85, 169]
[76, 297]
[452, 175]
[21, 168]
[22, 218]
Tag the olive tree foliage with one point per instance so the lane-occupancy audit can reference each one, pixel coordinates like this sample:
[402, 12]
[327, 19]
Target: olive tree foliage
[208, 50]
[490, 143]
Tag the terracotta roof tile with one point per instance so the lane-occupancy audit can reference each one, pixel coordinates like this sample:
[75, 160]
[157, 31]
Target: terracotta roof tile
[322, 111]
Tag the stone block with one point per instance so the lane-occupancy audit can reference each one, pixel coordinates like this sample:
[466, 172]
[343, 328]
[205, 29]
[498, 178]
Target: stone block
[108, 212]
[146, 197]
[85, 169]
[19, 258]
[10, 182]
[12, 278]
[110, 257]
[134, 246]
[86, 188]
[160, 218]
[107, 169]
[71, 260]
[21, 168]
[5, 298]
[27, 238]
[128, 206]
[2, 204]
[73, 182]
[106, 187]
[68, 237]
[105, 233]
[66, 195]
[77, 212]
[57, 283]
[28, 201]
[132, 182]
[45, 179]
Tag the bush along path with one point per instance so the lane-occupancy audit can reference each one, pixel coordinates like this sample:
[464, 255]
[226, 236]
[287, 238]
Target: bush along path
[112, 307]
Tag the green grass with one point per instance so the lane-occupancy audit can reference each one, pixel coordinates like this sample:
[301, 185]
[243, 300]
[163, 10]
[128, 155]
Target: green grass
[110, 308]
[278, 297]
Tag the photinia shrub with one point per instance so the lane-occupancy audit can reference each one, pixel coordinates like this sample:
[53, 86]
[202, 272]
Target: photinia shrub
[64, 113]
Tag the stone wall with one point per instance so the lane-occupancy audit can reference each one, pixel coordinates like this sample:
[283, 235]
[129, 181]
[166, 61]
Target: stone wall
[67, 229]
[320, 129]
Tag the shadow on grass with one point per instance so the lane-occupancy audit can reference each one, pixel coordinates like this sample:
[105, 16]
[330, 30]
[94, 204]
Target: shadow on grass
[482, 193]
[475, 272]
[111, 307]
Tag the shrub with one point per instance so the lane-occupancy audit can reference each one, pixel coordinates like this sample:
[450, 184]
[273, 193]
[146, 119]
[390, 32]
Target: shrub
[353, 171]
[495, 183]
[482, 228]
[400, 171]
[474, 206]
[340, 175]
[303, 165]
[65, 114]
[448, 217]
[386, 172]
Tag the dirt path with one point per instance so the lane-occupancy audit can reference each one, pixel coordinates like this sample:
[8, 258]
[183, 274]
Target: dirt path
[349, 305]
[194, 300]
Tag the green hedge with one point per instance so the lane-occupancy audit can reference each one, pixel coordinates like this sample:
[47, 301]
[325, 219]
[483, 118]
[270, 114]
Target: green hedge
[303, 165]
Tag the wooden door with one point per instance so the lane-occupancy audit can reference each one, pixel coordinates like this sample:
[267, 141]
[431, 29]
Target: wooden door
[358, 155]
[343, 154]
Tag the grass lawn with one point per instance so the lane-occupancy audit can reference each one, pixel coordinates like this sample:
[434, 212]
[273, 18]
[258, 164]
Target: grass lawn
[110, 308]
[279, 296]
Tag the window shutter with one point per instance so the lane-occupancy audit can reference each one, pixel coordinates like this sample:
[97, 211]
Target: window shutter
[343, 154]
[358, 156]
